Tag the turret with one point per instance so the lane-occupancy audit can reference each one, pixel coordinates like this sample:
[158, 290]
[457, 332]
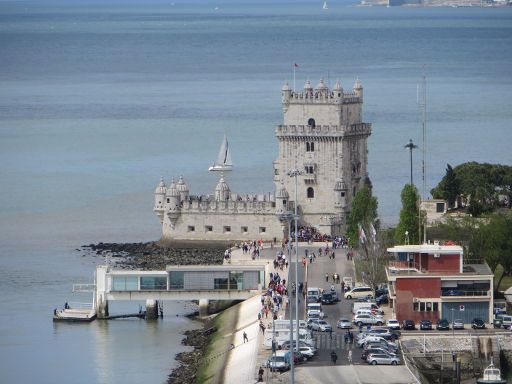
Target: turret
[286, 92]
[321, 88]
[282, 199]
[182, 189]
[222, 191]
[172, 203]
[307, 86]
[358, 88]
[160, 199]
[338, 91]
[340, 194]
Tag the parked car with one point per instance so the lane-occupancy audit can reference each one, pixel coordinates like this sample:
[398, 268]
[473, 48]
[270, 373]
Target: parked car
[321, 326]
[359, 292]
[408, 325]
[277, 363]
[382, 299]
[344, 323]
[374, 338]
[458, 324]
[308, 352]
[425, 325]
[382, 358]
[390, 347]
[334, 295]
[443, 325]
[367, 352]
[367, 319]
[393, 324]
[327, 298]
[365, 299]
[477, 324]
[297, 356]
[381, 291]
[311, 321]
[285, 345]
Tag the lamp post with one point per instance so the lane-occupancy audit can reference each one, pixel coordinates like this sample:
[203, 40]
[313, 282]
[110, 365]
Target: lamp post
[294, 173]
[287, 216]
[411, 146]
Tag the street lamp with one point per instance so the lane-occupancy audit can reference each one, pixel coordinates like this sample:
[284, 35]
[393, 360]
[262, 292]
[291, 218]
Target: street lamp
[411, 146]
[288, 216]
[294, 173]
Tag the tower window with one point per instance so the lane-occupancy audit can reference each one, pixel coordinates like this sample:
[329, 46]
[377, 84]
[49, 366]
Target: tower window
[245, 229]
[208, 228]
[310, 147]
[310, 193]
[191, 228]
[168, 200]
[311, 122]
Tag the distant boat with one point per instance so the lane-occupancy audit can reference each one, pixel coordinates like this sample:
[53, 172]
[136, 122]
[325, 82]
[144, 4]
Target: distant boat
[325, 5]
[223, 162]
[492, 375]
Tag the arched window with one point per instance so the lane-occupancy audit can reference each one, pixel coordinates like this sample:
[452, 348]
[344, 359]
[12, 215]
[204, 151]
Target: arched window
[311, 122]
[312, 147]
[310, 193]
[307, 146]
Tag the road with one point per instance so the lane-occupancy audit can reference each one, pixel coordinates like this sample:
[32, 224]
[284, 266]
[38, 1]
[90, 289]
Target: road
[316, 271]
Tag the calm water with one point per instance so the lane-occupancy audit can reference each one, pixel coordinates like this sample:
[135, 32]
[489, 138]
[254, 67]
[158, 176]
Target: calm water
[97, 102]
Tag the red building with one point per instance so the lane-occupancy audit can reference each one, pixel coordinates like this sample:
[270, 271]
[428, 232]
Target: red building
[431, 281]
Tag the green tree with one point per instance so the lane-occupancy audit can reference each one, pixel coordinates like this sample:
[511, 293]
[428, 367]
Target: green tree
[448, 188]
[408, 216]
[364, 212]
[498, 244]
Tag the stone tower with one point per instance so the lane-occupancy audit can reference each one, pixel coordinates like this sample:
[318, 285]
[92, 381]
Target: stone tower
[323, 136]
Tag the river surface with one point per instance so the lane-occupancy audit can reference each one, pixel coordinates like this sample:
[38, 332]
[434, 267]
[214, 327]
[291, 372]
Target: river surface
[98, 101]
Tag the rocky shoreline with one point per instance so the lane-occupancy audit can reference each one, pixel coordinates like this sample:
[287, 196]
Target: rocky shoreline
[156, 256]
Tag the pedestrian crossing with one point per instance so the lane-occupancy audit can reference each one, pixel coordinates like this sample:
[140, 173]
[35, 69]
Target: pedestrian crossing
[324, 340]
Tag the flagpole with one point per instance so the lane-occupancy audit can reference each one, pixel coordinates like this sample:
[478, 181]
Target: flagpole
[294, 66]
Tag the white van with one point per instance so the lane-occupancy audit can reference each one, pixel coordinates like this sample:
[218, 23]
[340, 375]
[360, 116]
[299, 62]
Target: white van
[507, 320]
[367, 311]
[372, 306]
[314, 295]
[283, 335]
[314, 309]
[358, 292]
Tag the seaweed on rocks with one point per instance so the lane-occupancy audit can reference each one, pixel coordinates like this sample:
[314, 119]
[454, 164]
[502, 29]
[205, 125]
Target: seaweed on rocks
[190, 362]
[156, 256]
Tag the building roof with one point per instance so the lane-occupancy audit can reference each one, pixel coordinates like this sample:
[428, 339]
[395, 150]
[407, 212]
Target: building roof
[426, 248]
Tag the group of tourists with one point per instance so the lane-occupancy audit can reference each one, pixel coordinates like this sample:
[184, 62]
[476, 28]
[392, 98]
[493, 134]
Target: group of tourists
[280, 261]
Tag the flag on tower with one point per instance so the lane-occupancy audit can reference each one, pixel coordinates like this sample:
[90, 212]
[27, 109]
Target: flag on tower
[295, 65]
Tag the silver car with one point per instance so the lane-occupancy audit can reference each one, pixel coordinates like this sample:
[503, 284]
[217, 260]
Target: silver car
[382, 358]
[322, 326]
[344, 323]
[458, 324]
[278, 363]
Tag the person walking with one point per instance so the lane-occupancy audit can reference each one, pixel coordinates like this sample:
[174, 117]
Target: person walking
[245, 337]
[327, 277]
[350, 356]
[262, 327]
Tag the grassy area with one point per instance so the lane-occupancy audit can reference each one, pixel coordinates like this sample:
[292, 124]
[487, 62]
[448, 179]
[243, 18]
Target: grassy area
[214, 361]
[505, 283]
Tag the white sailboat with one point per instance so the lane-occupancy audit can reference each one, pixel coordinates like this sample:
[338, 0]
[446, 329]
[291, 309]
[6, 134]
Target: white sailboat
[324, 7]
[223, 162]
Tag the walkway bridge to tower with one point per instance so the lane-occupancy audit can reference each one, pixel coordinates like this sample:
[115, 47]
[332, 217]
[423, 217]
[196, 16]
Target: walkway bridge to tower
[185, 282]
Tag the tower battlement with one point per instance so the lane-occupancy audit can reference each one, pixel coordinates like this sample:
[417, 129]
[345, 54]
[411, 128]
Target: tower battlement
[325, 131]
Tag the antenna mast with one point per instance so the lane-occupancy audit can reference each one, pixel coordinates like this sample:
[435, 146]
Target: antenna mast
[422, 103]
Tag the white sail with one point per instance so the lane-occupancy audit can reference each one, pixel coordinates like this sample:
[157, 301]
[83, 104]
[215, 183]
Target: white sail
[325, 5]
[223, 162]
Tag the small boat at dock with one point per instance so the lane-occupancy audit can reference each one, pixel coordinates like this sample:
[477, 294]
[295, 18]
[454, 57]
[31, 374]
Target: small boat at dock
[492, 375]
[82, 315]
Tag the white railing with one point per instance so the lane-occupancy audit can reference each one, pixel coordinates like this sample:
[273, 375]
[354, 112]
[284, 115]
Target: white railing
[76, 305]
[84, 287]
